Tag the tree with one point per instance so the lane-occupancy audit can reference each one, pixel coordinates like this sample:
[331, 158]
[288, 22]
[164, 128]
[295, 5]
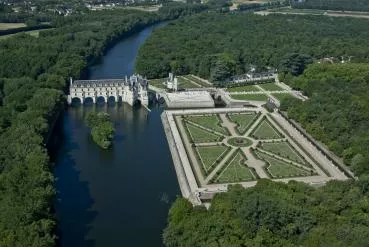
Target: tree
[295, 63]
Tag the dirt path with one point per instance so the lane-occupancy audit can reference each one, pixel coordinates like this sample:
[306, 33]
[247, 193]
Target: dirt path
[228, 124]
[255, 163]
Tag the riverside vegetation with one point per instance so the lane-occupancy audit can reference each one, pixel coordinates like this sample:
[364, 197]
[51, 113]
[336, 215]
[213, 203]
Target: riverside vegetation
[33, 76]
[102, 129]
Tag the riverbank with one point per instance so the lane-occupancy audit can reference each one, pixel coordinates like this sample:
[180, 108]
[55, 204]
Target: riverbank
[33, 101]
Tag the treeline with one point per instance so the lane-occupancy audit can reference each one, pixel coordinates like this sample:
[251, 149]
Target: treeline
[337, 112]
[353, 5]
[216, 46]
[12, 17]
[34, 72]
[275, 215]
[102, 129]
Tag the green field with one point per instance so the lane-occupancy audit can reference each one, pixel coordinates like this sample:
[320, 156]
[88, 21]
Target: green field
[249, 88]
[242, 120]
[198, 81]
[283, 149]
[282, 96]
[251, 97]
[211, 122]
[280, 169]
[185, 83]
[266, 131]
[271, 87]
[236, 171]
[6, 26]
[209, 155]
[159, 83]
[34, 33]
[198, 135]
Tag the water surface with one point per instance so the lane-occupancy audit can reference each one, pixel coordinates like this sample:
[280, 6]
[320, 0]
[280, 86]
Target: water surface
[117, 197]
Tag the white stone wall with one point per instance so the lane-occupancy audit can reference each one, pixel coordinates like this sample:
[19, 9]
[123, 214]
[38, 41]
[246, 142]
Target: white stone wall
[116, 90]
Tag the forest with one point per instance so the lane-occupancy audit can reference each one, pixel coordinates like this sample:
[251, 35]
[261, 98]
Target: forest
[275, 214]
[33, 76]
[216, 46]
[352, 5]
[337, 110]
[102, 129]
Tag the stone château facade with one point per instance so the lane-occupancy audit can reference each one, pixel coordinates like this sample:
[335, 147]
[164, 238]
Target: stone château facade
[130, 90]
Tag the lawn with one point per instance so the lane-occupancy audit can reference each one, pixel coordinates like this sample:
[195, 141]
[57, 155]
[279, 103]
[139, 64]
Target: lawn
[185, 83]
[159, 83]
[249, 88]
[265, 130]
[282, 96]
[243, 121]
[236, 171]
[6, 26]
[280, 169]
[283, 149]
[197, 80]
[34, 33]
[250, 97]
[198, 135]
[211, 122]
[271, 87]
[210, 155]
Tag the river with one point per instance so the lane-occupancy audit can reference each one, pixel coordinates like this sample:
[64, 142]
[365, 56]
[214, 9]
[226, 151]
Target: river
[117, 197]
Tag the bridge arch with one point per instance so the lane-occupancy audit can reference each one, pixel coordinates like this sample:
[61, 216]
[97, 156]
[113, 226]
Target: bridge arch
[112, 99]
[77, 101]
[89, 101]
[137, 102]
[101, 99]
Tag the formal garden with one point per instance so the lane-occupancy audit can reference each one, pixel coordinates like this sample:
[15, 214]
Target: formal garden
[242, 146]
[236, 170]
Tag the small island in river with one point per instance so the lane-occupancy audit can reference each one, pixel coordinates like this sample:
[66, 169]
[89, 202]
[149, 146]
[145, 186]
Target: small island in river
[102, 129]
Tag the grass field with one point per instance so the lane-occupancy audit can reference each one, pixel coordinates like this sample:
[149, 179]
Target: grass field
[251, 97]
[271, 87]
[6, 26]
[198, 81]
[283, 149]
[159, 83]
[280, 169]
[265, 130]
[185, 83]
[198, 135]
[243, 121]
[34, 33]
[236, 171]
[211, 122]
[210, 154]
[249, 88]
[282, 96]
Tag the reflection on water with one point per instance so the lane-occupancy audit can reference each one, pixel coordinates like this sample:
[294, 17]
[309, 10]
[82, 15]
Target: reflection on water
[116, 196]
[121, 196]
